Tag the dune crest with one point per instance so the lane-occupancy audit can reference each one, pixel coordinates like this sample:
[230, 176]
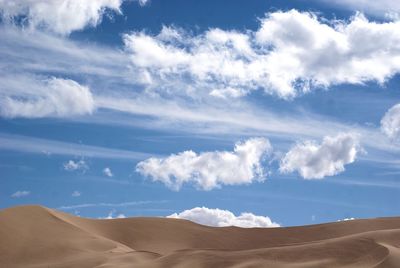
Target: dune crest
[34, 236]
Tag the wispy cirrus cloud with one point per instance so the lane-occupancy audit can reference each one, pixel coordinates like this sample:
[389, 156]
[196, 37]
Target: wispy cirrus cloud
[19, 194]
[41, 146]
[123, 204]
[76, 194]
[291, 53]
[125, 81]
[383, 8]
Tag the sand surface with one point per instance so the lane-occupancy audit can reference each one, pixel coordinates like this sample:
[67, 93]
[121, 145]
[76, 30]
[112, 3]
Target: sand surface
[34, 236]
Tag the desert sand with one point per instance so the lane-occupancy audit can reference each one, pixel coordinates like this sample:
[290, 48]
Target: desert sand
[35, 236]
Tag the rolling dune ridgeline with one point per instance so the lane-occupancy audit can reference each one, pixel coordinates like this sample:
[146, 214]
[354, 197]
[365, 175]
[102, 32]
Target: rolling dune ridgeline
[35, 236]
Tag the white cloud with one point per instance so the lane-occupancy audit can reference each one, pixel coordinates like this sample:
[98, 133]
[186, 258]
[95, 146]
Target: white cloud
[35, 145]
[221, 218]
[60, 16]
[52, 97]
[72, 165]
[380, 8]
[390, 123]
[291, 53]
[19, 194]
[210, 170]
[114, 215]
[347, 219]
[76, 194]
[242, 119]
[107, 171]
[143, 2]
[124, 204]
[316, 161]
[42, 53]
[26, 59]
[106, 68]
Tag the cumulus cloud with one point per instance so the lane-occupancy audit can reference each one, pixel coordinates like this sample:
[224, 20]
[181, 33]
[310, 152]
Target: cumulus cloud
[76, 194]
[210, 170]
[291, 53]
[72, 165]
[347, 219]
[60, 16]
[220, 218]
[114, 215]
[107, 171]
[53, 97]
[316, 161]
[19, 194]
[390, 123]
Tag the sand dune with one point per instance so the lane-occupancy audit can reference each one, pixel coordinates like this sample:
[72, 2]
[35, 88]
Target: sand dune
[34, 236]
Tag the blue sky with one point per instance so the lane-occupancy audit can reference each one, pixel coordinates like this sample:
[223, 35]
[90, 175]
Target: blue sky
[283, 109]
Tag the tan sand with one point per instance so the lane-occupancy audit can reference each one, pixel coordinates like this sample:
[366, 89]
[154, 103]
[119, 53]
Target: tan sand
[34, 236]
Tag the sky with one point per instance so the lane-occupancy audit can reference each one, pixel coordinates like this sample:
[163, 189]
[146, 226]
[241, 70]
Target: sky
[249, 113]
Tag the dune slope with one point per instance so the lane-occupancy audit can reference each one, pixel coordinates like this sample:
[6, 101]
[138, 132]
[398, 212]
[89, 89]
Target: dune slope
[34, 236]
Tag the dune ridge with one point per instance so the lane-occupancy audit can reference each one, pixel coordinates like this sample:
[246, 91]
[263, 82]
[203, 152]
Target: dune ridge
[35, 236]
